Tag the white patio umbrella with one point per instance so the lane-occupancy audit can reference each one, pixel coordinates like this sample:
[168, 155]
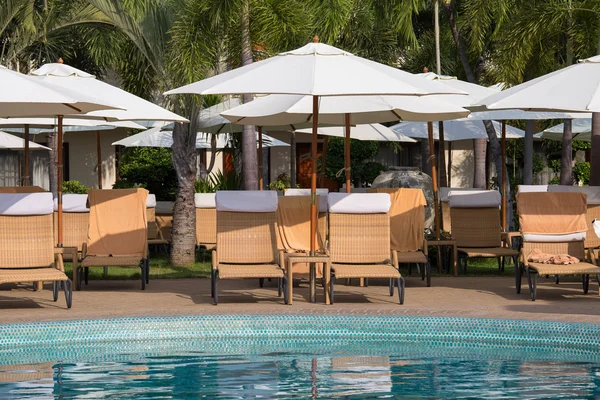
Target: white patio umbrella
[376, 132]
[581, 129]
[462, 129]
[12, 142]
[317, 70]
[163, 137]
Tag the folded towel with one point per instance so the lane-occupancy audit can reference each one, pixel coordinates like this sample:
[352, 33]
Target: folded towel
[559, 259]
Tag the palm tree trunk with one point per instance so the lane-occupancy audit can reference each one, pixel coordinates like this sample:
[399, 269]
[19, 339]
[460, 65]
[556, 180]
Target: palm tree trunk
[249, 155]
[528, 153]
[566, 160]
[442, 157]
[53, 161]
[479, 152]
[497, 160]
[183, 240]
[293, 175]
[595, 153]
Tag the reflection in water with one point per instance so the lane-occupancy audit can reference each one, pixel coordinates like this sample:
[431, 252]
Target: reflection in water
[289, 375]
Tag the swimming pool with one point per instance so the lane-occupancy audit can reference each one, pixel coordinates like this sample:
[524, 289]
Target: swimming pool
[266, 356]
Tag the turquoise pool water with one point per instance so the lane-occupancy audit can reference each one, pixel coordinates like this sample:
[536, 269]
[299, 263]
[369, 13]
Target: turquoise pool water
[299, 356]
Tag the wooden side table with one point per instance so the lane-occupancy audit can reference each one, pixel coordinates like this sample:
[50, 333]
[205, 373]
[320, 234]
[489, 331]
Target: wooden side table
[293, 258]
[447, 243]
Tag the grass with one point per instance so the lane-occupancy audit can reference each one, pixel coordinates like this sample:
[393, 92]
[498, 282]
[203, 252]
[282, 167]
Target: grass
[161, 269]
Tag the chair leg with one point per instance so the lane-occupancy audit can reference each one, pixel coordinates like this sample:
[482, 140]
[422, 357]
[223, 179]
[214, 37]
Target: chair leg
[503, 263]
[212, 283]
[499, 263]
[518, 272]
[216, 290]
[55, 289]
[427, 267]
[279, 287]
[68, 287]
[401, 287]
[556, 279]
[366, 282]
[261, 282]
[531, 280]
[148, 269]
[421, 271]
[586, 283]
[392, 286]
[284, 283]
[143, 269]
[79, 277]
[409, 268]
[105, 273]
[331, 287]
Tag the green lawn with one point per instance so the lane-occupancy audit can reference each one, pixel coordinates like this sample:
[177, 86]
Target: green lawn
[160, 269]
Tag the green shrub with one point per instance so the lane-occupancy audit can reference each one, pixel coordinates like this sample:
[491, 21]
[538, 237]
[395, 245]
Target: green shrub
[218, 181]
[150, 168]
[581, 171]
[362, 170]
[283, 182]
[74, 187]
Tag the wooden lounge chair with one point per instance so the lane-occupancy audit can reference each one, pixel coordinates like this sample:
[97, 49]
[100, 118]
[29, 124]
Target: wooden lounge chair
[76, 220]
[553, 223]
[407, 228]
[206, 223]
[27, 243]
[117, 235]
[155, 236]
[476, 226]
[247, 239]
[359, 239]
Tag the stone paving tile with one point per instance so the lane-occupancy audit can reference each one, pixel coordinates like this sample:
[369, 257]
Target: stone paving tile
[477, 297]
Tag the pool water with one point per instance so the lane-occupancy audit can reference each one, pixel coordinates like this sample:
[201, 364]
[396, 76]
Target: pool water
[232, 357]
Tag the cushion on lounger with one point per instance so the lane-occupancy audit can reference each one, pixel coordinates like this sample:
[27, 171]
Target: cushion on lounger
[569, 237]
[205, 200]
[164, 207]
[445, 191]
[26, 203]
[532, 188]
[592, 192]
[306, 192]
[359, 203]
[73, 203]
[247, 200]
[151, 201]
[479, 199]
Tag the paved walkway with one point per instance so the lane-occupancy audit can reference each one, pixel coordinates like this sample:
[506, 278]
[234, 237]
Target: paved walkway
[478, 297]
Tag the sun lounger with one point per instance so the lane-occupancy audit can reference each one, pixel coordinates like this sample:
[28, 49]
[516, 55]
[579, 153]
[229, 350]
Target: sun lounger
[117, 233]
[164, 218]
[247, 239]
[27, 243]
[359, 239]
[206, 222]
[76, 220]
[407, 227]
[476, 226]
[553, 223]
[155, 236]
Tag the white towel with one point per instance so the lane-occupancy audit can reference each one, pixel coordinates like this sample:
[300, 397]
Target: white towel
[204, 200]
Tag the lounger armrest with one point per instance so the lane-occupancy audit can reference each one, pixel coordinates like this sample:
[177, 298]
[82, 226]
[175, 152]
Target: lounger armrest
[507, 238]
[58, 262]
[215, 262]
[281, 259]
[425, 247]
[83, 250]
[395, 259]
[592, 257]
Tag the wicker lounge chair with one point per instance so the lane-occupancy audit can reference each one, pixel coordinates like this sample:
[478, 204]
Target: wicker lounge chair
[155, 235]
[476, 226]
[247, 239]
[76, 220]
[359, 239]
[27, 243]
[117, 235]
[206, 223]
[553, 223]
[407, 224]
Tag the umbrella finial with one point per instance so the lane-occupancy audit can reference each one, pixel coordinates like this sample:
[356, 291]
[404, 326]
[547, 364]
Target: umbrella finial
[60, 60]
[425, 69]
[315, 39]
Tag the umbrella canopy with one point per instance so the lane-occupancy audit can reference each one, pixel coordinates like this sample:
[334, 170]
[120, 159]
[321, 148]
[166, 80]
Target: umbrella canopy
[43, 125]
[293, 109]
[571, 89]
[375, 132]
[24, 96]
[12, 142]
[581, 128]
[503, 115]
[475, 92]
[69, 78]
[316, 69]
[163, 137]
[463, 129]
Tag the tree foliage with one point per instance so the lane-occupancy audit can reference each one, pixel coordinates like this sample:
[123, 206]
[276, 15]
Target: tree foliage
[150, 168]
[363, 171]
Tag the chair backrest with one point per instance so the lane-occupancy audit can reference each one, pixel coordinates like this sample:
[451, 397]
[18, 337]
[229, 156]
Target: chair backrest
[321, 192]
[118, 222]
[247, 227]
[151, 216]
[206, 219]
[475, 218]
[407, 218]
[359, 228]
[76, 220]
[26, 233]
[592, 212]
[444, 192]
[21, 189]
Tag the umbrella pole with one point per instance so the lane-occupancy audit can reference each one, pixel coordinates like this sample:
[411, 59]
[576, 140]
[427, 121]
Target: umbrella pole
[503, 148]
[347, 153]
[59, 179]
[313, 178]
[260, 158]
[324, 161]
[99, 154]
[27, 181]
[436, 209]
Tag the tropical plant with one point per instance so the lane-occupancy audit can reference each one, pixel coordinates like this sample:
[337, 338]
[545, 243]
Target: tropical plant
[74, 186]
[150, 168]
[218, 181]
[362, 170]
[283, 182]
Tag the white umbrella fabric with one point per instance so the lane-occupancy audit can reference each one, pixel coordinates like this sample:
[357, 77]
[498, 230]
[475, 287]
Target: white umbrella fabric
[376, 132]
[12, 142]
[462, 129]
[317, 70]
[581, 128]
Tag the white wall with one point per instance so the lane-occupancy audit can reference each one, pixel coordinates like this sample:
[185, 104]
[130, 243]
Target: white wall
[462, 164]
